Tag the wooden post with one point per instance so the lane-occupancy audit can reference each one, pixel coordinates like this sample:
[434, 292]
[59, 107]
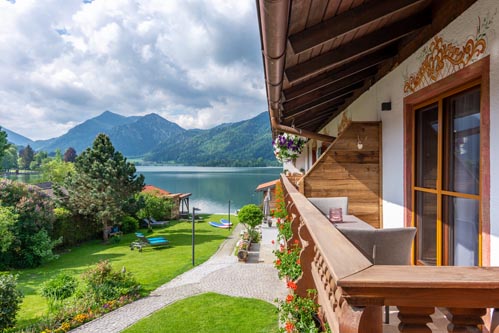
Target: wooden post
[465, 320]
[361, 319]
[414, 319]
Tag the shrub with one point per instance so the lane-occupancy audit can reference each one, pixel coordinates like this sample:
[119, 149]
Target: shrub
[72, 228]
[106, 284]
[59, 288]
[31, 244]
[8, 219]
[250, 216]
[10, 300]
[129, 224]
[156, 206]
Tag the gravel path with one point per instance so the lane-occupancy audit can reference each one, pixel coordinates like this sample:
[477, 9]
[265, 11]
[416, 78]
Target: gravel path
[222, 274]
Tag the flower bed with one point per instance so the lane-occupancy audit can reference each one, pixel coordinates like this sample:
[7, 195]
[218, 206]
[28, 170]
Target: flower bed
[296, 314]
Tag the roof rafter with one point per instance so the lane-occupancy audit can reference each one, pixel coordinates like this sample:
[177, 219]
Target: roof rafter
[325, 99]
[346, 22]
[361, 46]
[329, 89]
[334, 103]
[339, 73]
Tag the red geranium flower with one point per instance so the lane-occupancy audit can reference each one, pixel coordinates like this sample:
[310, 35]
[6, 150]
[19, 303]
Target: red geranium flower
[289, 327]
[292, 285]
[290, 298]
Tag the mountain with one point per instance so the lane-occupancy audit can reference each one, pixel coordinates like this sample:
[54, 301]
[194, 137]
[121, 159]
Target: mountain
[16, 139]
[82, 136]
[245, 143]
[143, 135]
[157, 140]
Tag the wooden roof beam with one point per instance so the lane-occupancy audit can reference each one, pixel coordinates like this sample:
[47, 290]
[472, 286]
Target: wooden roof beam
[329, 89]
[318, 109]
[339, 73]
[350, 20]
[361, 46]
[317, 119]
[324, 99]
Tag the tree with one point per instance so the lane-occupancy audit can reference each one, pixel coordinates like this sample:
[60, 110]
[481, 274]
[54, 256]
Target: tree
[4, 144]
[56, 170]
[103, 183]
[38, 159]
[9, 160]
[26, 156]
[251, 216]
[70, 155]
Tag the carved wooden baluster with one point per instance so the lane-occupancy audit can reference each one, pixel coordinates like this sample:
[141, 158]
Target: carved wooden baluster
[465, 320]
[361, 319]
[494, 322]
[414, 319]
[306, 281]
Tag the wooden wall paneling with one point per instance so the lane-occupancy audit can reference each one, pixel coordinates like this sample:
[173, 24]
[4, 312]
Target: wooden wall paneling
[344, 170]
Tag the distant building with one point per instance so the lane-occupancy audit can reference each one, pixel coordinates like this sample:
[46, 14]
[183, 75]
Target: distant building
[180, 200]
[268, 188]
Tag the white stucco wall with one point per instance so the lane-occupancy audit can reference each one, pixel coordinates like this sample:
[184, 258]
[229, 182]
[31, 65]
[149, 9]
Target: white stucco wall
[391, 89]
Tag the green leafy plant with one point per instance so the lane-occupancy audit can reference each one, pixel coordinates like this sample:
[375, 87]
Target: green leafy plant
[154, 205]
[59, 288]
[129, 224]
[288, 261]
[10, 300]
[106, 284]
[298, 314]
[251, 216]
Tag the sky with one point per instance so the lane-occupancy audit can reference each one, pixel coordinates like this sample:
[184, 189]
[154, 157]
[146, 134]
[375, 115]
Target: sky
[194, 62]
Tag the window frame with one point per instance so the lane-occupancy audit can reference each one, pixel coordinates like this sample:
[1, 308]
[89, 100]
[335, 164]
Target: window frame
[472, 75]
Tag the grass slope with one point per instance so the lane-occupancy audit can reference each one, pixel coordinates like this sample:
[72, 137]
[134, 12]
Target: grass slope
[211, 313]
[152, 267]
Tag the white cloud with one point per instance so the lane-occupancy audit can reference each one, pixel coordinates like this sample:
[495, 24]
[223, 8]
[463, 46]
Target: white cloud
[195, 63]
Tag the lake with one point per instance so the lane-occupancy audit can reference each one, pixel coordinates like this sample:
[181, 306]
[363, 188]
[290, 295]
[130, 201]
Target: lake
[211, 187]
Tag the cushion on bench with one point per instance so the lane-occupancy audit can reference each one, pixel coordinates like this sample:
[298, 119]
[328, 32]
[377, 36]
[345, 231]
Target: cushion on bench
[383, 246]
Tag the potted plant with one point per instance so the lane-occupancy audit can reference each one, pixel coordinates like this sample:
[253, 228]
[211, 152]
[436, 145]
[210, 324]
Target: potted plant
[251, 216]
[287, 147]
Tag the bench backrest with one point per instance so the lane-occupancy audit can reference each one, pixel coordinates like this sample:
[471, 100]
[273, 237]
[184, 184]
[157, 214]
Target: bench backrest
[383, 246]
[323, 204]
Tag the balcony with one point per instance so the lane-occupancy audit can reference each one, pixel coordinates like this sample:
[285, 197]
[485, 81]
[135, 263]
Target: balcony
[352, 291]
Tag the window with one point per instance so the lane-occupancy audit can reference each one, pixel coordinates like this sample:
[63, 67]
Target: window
[446, 178]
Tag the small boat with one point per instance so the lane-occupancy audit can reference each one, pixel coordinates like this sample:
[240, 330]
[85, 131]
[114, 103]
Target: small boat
[219, 225]
[225, 222]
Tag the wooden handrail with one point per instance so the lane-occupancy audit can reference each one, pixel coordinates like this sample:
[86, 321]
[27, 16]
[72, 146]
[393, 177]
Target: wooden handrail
[352, 291]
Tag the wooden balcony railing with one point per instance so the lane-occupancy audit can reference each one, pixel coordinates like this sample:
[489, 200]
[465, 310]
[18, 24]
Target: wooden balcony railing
[352, 291]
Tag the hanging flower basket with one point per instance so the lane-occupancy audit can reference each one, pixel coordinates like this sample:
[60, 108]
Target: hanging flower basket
[288, 147]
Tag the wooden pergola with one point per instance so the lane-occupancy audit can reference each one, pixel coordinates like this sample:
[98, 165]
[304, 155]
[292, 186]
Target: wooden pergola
[321, 55]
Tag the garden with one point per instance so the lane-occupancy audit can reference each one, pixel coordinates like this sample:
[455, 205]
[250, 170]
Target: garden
[65, 258]
[150, 269]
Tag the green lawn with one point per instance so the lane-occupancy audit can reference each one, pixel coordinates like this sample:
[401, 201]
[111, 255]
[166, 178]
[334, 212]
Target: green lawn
[211, 313]
[152, 267]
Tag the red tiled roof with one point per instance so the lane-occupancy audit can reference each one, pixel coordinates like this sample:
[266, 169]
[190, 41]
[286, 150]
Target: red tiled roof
[266, 185]
[155, 190]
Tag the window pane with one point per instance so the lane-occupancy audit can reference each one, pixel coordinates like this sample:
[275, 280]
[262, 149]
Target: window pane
[462, 153]
[461, 217]
[426, 222]
[427, 146]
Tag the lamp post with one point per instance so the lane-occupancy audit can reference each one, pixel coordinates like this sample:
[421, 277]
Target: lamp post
[229, 215]
[194, 209]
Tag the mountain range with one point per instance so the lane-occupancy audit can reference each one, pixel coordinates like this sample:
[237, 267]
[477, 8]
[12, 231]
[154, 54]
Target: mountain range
[157, 140]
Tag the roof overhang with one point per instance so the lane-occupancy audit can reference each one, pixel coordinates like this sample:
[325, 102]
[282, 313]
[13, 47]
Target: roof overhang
[321, 55]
